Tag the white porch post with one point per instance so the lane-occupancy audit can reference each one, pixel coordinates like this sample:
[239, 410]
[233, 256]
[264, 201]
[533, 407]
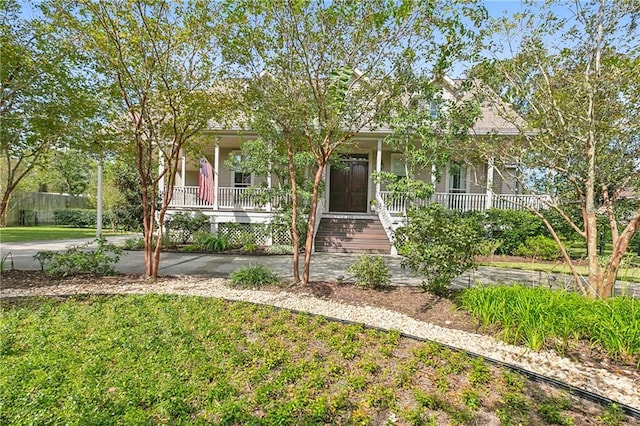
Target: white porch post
[216, 169]
[269, 206]
[378, 165]
[161, 170]
[489, 199]
[183, 170]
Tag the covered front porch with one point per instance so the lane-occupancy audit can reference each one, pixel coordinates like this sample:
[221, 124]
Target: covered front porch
[349, 189]
[249, 199]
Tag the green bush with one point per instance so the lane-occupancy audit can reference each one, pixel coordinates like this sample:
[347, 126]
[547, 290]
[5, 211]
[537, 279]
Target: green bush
[133, 243]
[249, 248]
[254, 276]
[279, 249]
[241, 234]
[210, 242]
[78, 260]
[182, 226]
[76, 218]
[539, 247]
[371, 272]
[438, 244]
[510, 227]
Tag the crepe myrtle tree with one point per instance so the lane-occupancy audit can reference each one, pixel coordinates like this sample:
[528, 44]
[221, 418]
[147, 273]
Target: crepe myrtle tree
[577, 108]
[320, 72]
[158, 60]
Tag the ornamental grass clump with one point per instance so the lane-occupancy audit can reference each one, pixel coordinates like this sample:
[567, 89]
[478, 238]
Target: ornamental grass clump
[539, 317]
[253, 276]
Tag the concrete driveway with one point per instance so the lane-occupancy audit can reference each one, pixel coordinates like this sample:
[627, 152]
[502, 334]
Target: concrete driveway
[324, 266]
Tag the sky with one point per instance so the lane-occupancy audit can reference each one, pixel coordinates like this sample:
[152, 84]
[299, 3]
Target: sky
[495, 9]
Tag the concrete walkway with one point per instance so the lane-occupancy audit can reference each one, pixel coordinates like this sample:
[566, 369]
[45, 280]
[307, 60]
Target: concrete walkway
[324, 266]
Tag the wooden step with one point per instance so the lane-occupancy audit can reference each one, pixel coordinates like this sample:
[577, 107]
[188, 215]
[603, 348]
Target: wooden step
[357, 235]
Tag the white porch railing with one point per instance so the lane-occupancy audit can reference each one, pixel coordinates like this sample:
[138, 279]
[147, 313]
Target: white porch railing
[245, 199]
[319, 213]
[386, 220]
[187, 197]
[227, 197]
[466, 202]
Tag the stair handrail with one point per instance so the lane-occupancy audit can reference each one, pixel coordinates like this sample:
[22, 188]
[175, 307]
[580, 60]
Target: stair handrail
[386, 220]
[319, 213]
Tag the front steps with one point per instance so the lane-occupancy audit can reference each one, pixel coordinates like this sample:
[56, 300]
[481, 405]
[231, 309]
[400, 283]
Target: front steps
[351, 234]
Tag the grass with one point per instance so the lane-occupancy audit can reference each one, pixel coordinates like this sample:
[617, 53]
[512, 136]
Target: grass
[190, 360]
[43, 233]
[538, 317]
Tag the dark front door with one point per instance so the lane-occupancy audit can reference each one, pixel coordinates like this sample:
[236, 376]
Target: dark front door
[348, 187]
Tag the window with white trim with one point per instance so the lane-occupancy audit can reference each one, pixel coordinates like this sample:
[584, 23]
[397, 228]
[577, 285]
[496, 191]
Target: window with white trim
[398, 165]
[240, 178]
[457, 177]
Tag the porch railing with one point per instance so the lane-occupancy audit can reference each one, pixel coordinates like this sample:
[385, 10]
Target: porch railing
[253, 199]
[465, 201]
[228, 198]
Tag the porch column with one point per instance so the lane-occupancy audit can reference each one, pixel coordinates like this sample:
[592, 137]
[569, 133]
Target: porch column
[216, 168]
[378, 165]
[183, 171]
[161, 171]
[269, 205]
[489, 199]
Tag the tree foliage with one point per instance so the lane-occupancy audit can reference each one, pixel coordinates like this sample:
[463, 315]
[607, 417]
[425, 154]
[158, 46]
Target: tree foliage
[158, 61]
[580, 101]
[321, 72]
[437, 244]
[46, 101]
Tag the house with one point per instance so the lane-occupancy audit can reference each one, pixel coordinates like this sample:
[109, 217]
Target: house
[356, 214]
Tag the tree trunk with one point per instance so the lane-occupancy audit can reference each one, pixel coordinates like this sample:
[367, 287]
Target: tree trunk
[4, 208]
[620, 246]
[6, 197]
[295, 236]
[312, 223]
[595, 273]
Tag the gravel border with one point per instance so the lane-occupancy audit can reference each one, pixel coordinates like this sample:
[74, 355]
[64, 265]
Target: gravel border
[622, 386]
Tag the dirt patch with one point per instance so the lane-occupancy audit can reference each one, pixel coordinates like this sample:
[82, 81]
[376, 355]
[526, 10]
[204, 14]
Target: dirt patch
[408, 300]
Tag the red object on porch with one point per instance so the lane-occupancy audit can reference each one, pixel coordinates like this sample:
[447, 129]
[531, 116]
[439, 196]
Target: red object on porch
[205, 182]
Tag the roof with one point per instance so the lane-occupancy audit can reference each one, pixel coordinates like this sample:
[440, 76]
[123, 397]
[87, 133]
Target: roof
[491, 121]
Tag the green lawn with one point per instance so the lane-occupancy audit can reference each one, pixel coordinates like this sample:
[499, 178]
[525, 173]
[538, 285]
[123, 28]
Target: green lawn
[42, 233]
[189, 360]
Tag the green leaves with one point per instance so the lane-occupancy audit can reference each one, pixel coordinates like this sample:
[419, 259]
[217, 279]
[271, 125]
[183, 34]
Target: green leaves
[437, 244]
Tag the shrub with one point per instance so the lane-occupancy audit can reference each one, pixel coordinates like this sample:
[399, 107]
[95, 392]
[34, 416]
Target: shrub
[182, 226]
[241, 234]
[371, 272]
[539, 247]
[77, 260]
[76, 218]
[510, 227]
[438, 244]
[133, 243]
[254, 276]
[211, 242]
[279, 249]
[249, 248]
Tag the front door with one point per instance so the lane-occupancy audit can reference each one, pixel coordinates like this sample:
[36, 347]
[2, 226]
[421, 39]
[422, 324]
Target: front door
[348, 188]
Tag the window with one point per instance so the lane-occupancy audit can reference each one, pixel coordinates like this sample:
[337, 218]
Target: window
[435, 109]
[457, 177]
[398, 165]
[240, 178]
